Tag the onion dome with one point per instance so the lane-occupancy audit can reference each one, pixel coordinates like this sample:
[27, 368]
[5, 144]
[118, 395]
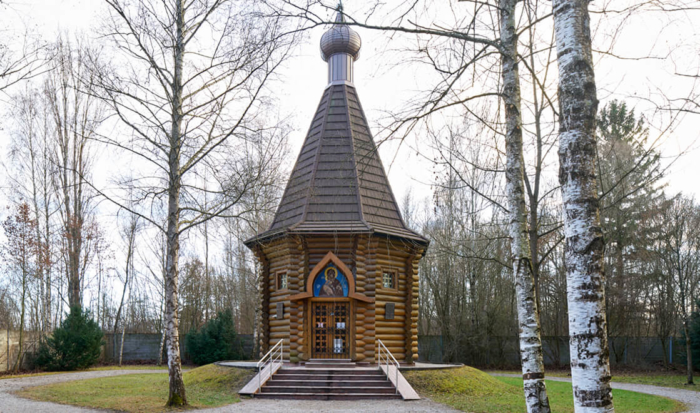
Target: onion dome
[340, 38]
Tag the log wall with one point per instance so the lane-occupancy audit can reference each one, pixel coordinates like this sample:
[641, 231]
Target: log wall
[367, 257]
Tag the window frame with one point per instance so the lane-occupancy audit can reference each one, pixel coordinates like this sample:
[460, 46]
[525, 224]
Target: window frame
[278, 281]
[395, 277]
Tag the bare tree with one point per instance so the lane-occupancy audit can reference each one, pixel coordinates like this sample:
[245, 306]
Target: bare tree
[30, 174]
[681, 254]
[20, 54]
[521, 257]
[76, 116]
[588, 340]
[129, 233]
[189, 87]
[19, 252]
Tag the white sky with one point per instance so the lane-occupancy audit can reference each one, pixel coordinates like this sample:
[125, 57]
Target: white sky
[384, 89]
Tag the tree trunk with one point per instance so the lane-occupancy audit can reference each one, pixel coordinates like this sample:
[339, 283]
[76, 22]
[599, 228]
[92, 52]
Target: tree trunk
[177, 395]
[18, 363]
[588, 341]
[688, 350]
[121, 346]
[160, 349]
[528, 317]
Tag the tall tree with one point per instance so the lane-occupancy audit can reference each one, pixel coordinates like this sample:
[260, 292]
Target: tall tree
[681, 254]
[190, 87]
[584, 243]
[19, 252]
[76, 115]
[629, 171]
[30, 173]
[531, 358]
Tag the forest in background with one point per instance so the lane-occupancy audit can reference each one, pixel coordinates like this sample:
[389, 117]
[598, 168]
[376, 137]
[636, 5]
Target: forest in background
[62, 246]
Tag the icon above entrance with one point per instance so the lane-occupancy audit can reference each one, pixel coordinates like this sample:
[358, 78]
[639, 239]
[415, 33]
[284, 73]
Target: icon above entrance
[331, 278]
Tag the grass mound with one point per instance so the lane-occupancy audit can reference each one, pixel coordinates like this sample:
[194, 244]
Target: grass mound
[465, 381]
[472, 390]
[206, 386]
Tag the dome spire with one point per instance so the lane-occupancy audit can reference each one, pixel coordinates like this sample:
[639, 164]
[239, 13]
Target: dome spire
[340, 18]
[340, 47]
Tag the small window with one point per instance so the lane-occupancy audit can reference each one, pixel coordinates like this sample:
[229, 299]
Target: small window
[389, 280]
[282, 281]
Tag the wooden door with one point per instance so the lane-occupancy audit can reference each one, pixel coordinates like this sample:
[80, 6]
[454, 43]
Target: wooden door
[330, 330]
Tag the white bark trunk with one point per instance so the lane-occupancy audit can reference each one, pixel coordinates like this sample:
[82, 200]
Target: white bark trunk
[534, 387]
[590, 365]
[121, 346]
[177, 395]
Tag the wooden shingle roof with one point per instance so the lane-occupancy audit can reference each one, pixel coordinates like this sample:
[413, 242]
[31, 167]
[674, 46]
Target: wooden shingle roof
[338, 184]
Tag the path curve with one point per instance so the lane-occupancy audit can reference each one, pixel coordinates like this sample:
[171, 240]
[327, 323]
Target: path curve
[9, 403]
[690, 398]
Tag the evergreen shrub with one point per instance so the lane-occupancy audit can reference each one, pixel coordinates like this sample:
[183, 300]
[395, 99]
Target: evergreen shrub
[215, 341]
[75, 345]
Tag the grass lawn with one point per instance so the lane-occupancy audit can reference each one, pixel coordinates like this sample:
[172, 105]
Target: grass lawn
[207, 386]
[472, 390]
[663, 379]
[100, 368]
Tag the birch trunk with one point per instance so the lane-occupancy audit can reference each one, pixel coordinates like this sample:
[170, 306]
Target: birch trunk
[534, 387]
[121, 346]
[160, 349]
[590, 365]
[177, 395]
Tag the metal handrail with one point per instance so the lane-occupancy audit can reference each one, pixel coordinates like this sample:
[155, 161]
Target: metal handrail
[276, 354]
[386, 357]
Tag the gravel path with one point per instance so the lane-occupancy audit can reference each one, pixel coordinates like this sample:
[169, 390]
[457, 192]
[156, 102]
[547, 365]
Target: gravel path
[9, 403]
[689, 397]
[383, 406]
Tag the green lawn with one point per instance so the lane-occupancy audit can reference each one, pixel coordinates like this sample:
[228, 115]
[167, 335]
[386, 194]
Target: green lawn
[466, 389]
[663, 379]
[207, 386]
[100, 368]
[472, 390]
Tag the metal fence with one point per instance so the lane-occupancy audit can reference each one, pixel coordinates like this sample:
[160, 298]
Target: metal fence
[145, 346]
[504, 351]
[137, 347]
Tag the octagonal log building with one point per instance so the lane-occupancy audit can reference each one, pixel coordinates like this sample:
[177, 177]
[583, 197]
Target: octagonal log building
[339, 267]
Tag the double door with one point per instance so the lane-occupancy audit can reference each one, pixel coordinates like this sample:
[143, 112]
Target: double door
[330, 330]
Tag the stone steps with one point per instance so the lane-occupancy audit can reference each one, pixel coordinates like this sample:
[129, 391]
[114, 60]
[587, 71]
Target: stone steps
[328, 380]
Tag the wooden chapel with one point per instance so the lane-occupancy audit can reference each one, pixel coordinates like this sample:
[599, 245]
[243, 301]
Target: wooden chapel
[339, 265]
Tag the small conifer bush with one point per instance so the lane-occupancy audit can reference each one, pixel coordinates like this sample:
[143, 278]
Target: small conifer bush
[215, 341]
[75, 345]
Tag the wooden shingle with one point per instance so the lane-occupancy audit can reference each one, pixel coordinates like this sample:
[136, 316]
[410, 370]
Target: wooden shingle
[338, 183]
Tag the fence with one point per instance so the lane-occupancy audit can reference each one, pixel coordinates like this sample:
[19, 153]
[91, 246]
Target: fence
[9, 347]
[137, 347]
[504, 351]
[145, 346]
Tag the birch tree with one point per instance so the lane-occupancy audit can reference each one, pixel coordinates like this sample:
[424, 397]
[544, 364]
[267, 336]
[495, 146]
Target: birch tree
[578, 103]
[521, 259]
[190, 88]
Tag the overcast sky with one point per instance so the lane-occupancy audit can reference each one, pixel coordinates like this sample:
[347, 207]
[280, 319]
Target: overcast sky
[383, 88]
